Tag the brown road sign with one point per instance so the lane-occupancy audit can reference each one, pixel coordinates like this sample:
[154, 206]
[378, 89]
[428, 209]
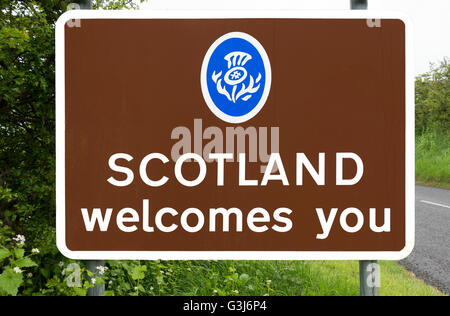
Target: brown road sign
[206, 135]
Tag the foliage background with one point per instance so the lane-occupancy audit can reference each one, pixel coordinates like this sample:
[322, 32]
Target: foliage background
[433, 99]
[27, 178]
[433, 126]
[27, 131]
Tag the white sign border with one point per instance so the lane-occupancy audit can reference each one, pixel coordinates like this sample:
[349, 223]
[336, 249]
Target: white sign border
[233, 255]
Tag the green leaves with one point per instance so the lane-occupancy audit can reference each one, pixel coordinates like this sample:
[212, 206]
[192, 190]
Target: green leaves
[4, 253]
[25, 263]
[11, 278]
[138, 272]
[14, 38]
[19, 253]
[27, 144]
[115, 4]
[244, 277]
[433, 99]
[10, 282]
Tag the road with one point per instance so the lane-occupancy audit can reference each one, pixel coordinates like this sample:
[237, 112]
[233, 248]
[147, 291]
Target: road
[430, 259]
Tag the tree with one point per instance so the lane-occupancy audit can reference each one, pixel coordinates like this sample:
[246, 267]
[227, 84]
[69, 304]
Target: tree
[433, 99]
[27, 118]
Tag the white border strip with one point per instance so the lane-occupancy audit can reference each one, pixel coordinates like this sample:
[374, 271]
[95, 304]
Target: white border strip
[435, 204]
[234, 255]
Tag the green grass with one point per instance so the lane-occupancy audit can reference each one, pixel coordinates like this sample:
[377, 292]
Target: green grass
[295, 278]
[342, 278]
[433, 159]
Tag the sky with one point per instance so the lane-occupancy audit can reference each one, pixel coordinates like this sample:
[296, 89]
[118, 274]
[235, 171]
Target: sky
[431, 18]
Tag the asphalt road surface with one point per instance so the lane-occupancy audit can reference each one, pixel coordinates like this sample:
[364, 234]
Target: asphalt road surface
[430, 259]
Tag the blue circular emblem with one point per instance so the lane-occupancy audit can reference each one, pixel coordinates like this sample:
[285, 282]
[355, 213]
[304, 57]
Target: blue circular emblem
[236, 77]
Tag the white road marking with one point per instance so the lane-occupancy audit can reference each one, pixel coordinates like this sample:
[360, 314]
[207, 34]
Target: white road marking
[436, 204]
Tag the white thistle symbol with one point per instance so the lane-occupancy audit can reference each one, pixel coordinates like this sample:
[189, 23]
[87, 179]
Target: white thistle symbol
[236, 75]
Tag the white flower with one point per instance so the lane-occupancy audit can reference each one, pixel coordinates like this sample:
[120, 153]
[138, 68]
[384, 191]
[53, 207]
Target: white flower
[61, 264]
[110, 282]
[35, 250]
[135, 288]
[215, 291]
[17, 270]
[151, 288]
[30, 275]
[20, 239]
[269, 281]
[101, 270]
[63, 272]
[93, 281]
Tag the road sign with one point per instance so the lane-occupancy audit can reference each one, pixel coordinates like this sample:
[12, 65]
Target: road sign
[234, 135]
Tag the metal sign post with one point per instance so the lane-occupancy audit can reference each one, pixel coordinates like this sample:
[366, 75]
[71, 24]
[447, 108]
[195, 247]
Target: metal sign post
[369, 272]
[369, 278]
[92, 265]
[85, 4]
[358, 4]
